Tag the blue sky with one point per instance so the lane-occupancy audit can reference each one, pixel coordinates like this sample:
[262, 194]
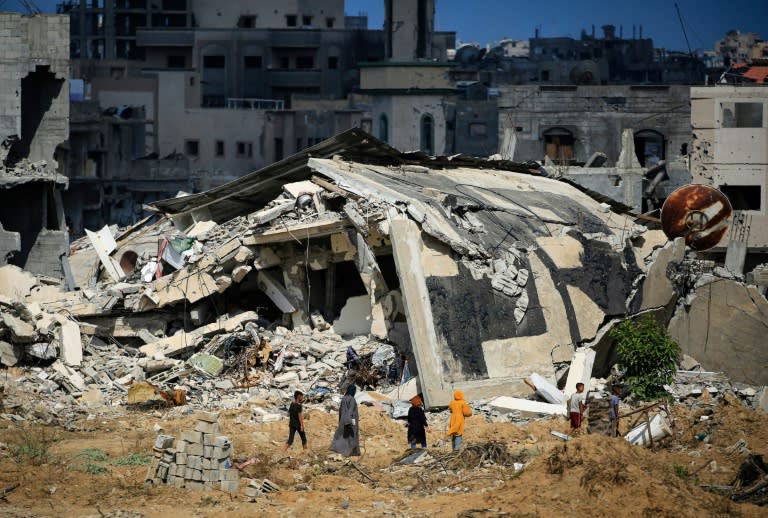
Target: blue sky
[486, 21]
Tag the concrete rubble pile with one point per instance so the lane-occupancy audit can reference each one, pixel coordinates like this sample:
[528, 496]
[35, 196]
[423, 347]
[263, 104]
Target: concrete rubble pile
[198, 459]
[476, 273]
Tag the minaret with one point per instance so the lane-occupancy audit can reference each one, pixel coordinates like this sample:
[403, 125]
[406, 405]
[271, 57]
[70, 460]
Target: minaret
[408, 28]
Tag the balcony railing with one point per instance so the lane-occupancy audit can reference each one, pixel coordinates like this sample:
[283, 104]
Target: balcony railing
[234, 103]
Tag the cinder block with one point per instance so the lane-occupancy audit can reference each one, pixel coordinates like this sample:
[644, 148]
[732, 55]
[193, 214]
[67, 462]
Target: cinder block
[163, 441]
[192, 437]
[194, 485]
[208, 451]
[206, 427]
[195, 449]
[222, 441]
[229, 474]
[208, 439]
[230, 486]
[221, 453]
[209, 417]
[181, 458]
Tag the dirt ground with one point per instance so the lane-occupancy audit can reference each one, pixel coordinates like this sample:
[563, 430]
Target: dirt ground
[97, 469]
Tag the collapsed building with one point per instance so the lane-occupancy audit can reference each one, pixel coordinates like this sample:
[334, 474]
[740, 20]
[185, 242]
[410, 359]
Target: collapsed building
[479, 272]
[34, 112]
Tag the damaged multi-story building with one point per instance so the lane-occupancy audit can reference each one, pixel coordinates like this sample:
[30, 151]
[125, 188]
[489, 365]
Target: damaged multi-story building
[588, 60]
[34, 113]
[228, 87]
[611, 139]
[730, 152]
[481, 272]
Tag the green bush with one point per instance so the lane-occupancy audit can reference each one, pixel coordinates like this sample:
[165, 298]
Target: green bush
[648, 355]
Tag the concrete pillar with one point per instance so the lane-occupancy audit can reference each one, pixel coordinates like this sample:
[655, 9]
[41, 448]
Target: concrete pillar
[407, 247]
[735, 256]
[295, 280]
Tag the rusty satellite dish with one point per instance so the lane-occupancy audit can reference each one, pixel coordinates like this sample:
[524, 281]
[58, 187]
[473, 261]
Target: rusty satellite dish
[699, 213]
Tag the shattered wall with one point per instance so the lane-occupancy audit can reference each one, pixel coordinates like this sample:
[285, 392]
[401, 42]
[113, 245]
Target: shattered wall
[723, 325]
[34, 120]
[35, 98]
[595, 116]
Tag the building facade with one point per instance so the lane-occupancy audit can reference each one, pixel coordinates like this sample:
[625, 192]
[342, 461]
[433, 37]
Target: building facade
[730, 151]
[34, 113]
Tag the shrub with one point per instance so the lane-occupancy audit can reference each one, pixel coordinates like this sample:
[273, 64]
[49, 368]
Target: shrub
[648, 355]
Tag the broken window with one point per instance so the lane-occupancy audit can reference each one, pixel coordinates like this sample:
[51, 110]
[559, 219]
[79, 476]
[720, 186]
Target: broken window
[333, 62]
[192, 147]
[39, 90]
[545, 75]
[422, 29]
[214, 81]
[743, 197]
[278, 149]
[219, 148]
[290, 20]
[246, 21]
[650, 147]
[558, 144]
[285, 62]
[383, 128]
[477, 129]
[306, 21]
[427, 141]
[329, 22]
[742, 115]
[244, 150]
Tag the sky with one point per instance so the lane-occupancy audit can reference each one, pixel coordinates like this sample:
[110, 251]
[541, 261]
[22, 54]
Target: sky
[488, 21]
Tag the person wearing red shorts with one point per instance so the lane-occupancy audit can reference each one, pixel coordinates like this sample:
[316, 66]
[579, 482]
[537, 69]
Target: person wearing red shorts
[576, 407]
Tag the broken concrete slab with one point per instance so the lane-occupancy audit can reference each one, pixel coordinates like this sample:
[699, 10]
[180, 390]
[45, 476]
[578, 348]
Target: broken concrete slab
[129, 326]
[269, 213]
[21, 332]
[405, 391]
[276, 292]
[506, 404]
[547, 390]
[355, 317]
[104, 244]
[71, 348]
[200, 228]
[15, 282]
[10, 354]
[407, 249]
[724, 327]
[240, 272]
[183, 342]
[70, 374]
[658, 290]
[580, 370]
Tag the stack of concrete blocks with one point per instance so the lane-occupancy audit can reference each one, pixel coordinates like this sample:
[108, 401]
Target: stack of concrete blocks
[199, 459]
[599, 414]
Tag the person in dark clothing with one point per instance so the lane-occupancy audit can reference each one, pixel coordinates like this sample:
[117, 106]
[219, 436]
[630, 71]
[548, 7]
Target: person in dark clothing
[417, 424]
[346, 440]
[296, 421]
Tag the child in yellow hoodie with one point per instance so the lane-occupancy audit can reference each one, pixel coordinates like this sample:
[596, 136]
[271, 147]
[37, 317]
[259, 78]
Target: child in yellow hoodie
[459, 410]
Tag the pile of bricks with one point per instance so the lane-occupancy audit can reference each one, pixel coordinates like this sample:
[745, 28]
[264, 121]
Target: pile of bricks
[200, 459]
